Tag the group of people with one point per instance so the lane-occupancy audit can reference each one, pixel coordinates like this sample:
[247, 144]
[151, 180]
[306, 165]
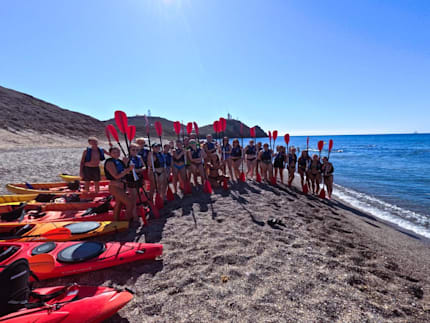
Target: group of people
[178, 164]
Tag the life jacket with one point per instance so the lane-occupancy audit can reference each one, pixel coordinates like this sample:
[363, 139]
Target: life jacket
[280, 157]
[266, 155]
[292, 159]
[119, 165]
[236, 151]
[89, 151]
[144, 154]
[159, 160]
[137, 161]
[251, 150]
[168, 159]
[226, 148]
[195, 153]
[210, 145]
[180, 159]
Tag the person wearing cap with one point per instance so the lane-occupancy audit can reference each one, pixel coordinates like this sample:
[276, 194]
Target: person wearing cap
[157, 172]
[196, 157]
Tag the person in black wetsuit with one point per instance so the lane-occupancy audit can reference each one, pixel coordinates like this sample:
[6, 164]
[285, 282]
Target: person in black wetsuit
[265, 157]
[115, 171]
[251, 159]
[327, 170]
[302, 166]
[225, 152]
[291, 165]
[279, 162]
[133, 183]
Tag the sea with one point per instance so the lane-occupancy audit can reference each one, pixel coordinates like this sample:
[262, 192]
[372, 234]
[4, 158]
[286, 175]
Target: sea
[387, 176]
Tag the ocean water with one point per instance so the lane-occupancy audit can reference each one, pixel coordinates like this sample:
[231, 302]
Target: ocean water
[385, 175]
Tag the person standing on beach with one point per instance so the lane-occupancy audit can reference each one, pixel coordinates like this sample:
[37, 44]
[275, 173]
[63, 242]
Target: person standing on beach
[90, 164]
[265, 157]
[132, 184]
[179, 172]
[303, 166]
[251, 159]
[116, 171]
[157, 170]
[279, 162]
[225, 157]
[315, 173]
[291, 165]
[209, 147]
[236, 157]
[195, 156]
[327, 170]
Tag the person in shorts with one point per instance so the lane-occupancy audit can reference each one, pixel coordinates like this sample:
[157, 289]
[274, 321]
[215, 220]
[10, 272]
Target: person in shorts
[90, 164]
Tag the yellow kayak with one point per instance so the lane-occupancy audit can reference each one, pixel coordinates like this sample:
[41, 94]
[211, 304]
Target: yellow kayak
[18, 231]
[72, 178]
[48, 188]
[8, 199]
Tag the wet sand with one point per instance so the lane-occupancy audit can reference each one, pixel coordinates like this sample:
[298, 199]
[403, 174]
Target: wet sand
[223, 262]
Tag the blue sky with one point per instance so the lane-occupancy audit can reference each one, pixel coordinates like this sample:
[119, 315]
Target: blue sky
[303, 67]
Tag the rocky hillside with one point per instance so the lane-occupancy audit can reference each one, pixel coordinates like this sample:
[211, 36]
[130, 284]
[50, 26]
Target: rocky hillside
[233, 130]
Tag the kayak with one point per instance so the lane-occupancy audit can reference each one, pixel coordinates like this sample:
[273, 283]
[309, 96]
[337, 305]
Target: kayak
[17, 231]
[58, 204]
[37, 216]
[77, 257]
[71, 178]
[51, 188]
[75, 303]
[4, 199]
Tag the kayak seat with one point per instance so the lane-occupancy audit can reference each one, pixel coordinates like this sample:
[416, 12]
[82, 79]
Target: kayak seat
[81, 251]
[74, 186]
[15, 214]
[7, 251]
[43, 248]
[82, 227]
[44, 198]
[103, 208]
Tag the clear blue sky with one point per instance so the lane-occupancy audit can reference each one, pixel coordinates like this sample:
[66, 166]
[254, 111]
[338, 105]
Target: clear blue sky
[306, 67]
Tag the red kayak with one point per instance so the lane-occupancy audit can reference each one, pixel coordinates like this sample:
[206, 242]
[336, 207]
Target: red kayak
[77, 257]
[83, 304]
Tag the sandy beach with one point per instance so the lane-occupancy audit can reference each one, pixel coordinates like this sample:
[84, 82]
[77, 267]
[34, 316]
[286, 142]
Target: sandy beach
[223, 262]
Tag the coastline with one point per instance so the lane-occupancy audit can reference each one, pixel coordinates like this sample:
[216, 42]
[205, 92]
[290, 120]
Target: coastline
[223, 262]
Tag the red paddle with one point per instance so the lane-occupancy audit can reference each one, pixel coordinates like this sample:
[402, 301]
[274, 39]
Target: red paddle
[177, 127]
[131, 133]
[252, 132]
[270, 139]
[307, 144]
[320, 146]
[287, 141]
[330, 147]
[275, 135]
[122, 124]
[114, 134]
[189, 128]
[216, 129]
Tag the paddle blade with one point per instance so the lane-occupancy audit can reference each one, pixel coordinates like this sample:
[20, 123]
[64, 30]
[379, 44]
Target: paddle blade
[320, 145]
[252, 132]
[322, 194]
[142, 214]
[275, 134]
[225, 184]
[242, 177]
[287, 138]
[189, 127]
[131, 133]
[223, 123]
[112, 131]
[273, 180]
[270, 135]
[330, 145]
[159, 203]
[57, 234]
[305, 189]
[216, 126]
[208, 187]
[107, 134]
[158, 128]
[41, 264]
[258, 177]
[307, 142]
[169, 195]
[177, 127]
[196, 128]
[121, 121]
[187, 188]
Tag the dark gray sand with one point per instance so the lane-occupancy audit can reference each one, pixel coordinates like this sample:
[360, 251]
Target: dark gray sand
[223, 262]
